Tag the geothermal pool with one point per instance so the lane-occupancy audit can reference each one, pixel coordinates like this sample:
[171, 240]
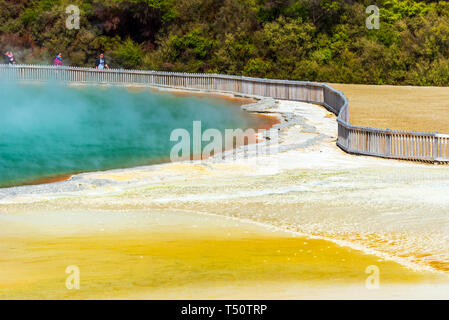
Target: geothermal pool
[51, 131]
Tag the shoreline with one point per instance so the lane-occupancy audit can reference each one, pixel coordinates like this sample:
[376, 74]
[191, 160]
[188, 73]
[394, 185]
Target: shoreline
[265, 122]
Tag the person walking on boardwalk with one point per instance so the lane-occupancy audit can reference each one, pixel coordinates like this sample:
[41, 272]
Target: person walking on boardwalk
[100, 63]
[58, 60]
[9, 58]
[12, 59]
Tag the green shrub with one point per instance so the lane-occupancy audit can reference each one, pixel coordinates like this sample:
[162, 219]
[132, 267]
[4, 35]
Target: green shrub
[257, 68]
[129, 54]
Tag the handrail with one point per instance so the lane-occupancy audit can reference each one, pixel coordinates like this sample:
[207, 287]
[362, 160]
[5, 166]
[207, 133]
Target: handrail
[386, 143]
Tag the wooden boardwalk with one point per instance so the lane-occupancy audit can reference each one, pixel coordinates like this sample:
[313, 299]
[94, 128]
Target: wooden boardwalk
[407, 145]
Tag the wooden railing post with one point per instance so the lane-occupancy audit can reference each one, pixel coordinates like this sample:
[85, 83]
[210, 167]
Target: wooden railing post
[435, 147]
[388, 146]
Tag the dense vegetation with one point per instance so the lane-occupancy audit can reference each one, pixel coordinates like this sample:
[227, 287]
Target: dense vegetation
[320, 40]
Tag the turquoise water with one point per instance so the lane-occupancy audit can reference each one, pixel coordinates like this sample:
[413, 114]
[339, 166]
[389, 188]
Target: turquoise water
[51, 130]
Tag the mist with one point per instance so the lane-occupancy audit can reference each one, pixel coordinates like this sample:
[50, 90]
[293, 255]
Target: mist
[50, 130]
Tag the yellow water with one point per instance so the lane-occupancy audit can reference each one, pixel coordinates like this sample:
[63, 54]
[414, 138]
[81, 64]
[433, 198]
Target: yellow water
[163, 254]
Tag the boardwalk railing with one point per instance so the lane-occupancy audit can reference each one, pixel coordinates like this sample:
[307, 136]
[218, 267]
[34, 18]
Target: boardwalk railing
[407, 145]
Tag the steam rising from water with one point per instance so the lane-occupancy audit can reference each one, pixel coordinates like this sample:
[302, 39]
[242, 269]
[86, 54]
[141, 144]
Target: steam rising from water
[50, 130]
